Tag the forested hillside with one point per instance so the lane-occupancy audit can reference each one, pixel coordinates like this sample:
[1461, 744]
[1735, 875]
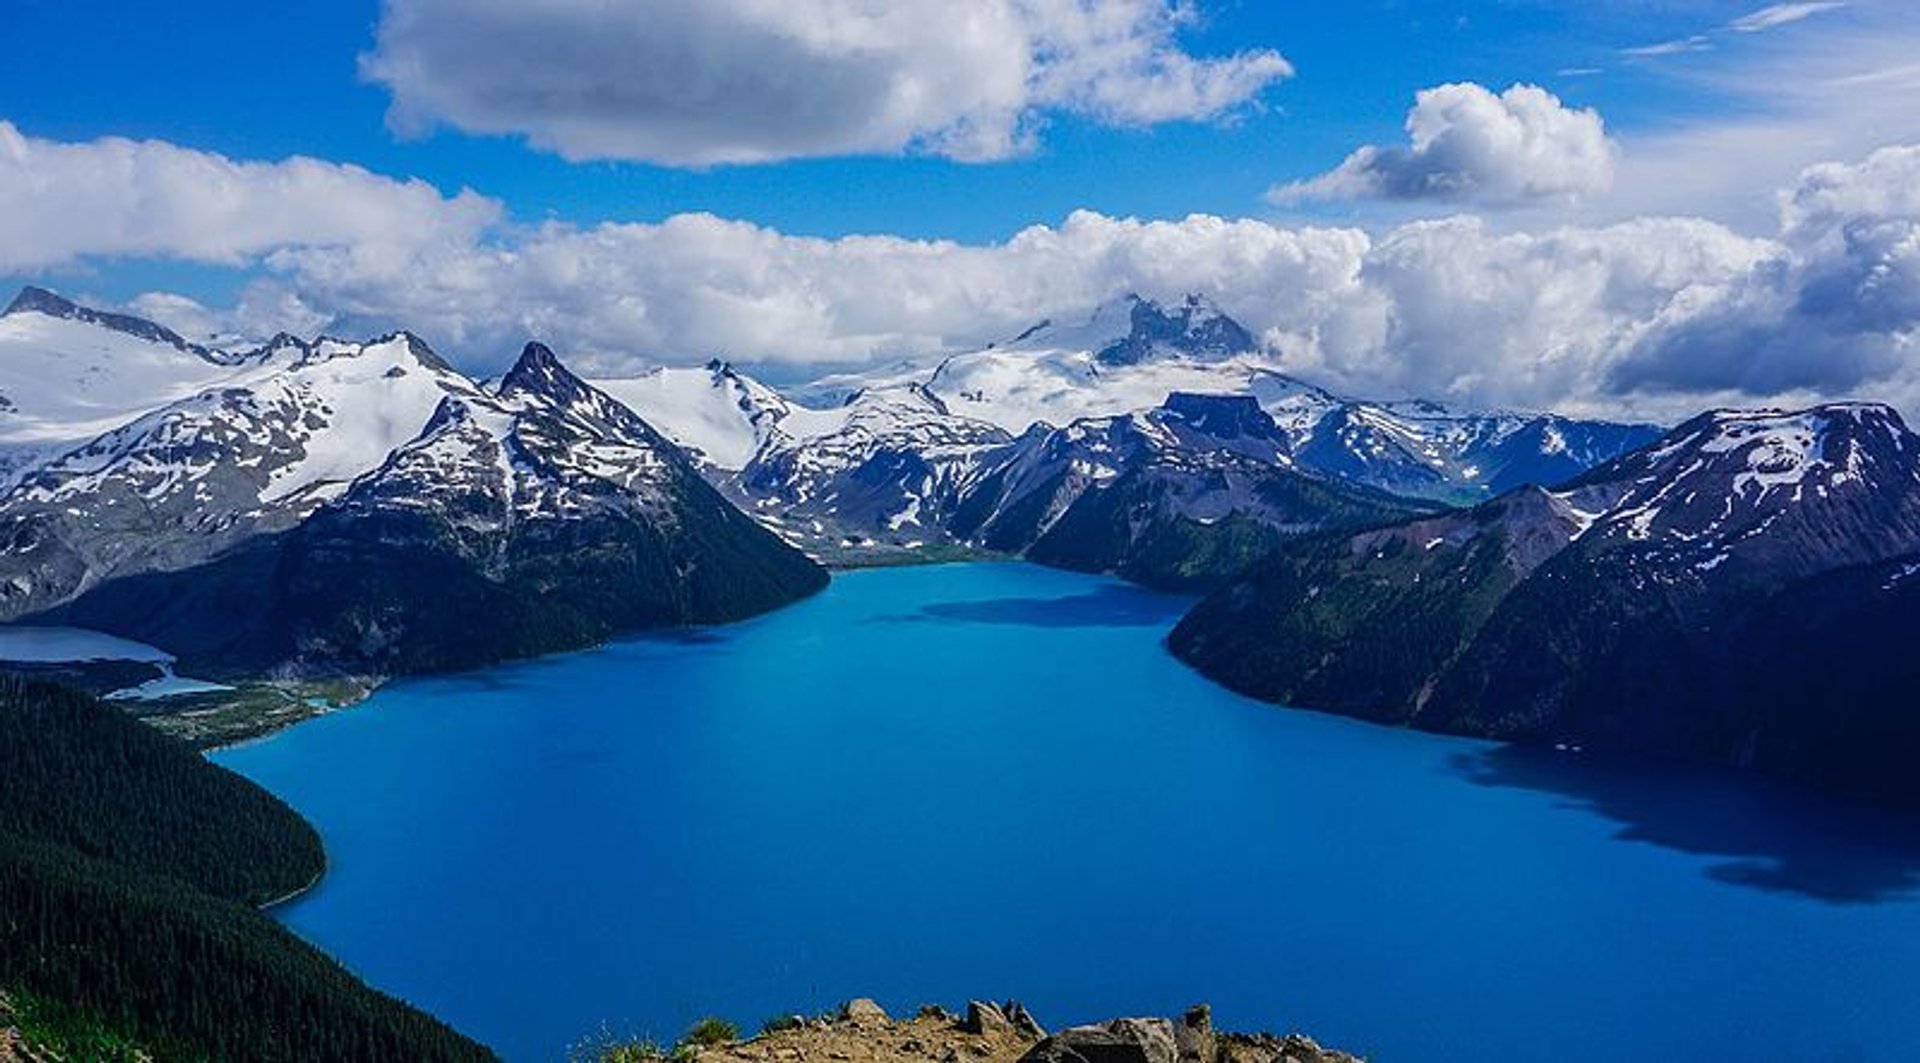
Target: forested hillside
[129, 870]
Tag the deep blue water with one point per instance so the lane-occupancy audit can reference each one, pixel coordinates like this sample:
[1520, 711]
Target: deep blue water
[929, 784]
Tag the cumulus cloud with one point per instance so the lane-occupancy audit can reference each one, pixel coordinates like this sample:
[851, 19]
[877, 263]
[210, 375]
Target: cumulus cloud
[62, 201]
[1653, 316]
[1470, 145]
[1836, 308]
[697, 285]
[700, 82]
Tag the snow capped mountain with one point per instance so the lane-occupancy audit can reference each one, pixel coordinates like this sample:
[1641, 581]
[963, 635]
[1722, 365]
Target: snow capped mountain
[720, 416]
[68, 374]
[1132, 329]
[1178, 496]
[1785, 492]
[544, 444]
[255, 453]
[1650, 605]
[1427, 450]
[537, 516]
[1129, 355]
[32, 300]
[1126, 355]
[882, 469]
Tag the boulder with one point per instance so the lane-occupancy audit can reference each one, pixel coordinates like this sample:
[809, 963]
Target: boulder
[1120, 1041]
[985, 1018]
[1266, 1048]
[1023, 1021]
[1193, 1036]
[862, 1011]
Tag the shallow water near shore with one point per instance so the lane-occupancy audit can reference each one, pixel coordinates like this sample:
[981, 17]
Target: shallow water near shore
[929, 784]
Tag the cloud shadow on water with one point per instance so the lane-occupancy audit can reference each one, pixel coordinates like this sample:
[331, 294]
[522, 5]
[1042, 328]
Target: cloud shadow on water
[1766, 835]
[1105, 606]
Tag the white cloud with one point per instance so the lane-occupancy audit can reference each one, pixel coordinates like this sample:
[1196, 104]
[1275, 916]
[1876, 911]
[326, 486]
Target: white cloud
[1653, 316]
[696, 285]
[1780, 15]
[1836, 309]
[60, 202]
[1469, 145]
[700, 82]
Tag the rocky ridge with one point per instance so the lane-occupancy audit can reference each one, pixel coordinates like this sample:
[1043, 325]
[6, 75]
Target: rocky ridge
[862, 1032]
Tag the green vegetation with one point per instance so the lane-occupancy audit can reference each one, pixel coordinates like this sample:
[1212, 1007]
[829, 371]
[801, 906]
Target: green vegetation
[609, 1047]
[80, 775]
[129, 868]
[711, 1032]
[1133, 527]
[1350, 623]
[248, 710]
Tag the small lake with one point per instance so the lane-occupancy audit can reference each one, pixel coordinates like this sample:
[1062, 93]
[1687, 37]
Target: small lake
[930, 784]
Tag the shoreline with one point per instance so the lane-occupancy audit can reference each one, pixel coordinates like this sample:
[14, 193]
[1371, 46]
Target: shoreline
[326, 865]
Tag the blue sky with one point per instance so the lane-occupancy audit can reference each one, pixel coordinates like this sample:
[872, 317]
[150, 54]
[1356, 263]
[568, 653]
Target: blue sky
[269, 80]
[1627, 206]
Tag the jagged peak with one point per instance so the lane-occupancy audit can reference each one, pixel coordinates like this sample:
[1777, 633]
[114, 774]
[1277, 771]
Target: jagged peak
[539, 372]
[420, 349]
[34, 299]
[1194, 327]
[451, 410]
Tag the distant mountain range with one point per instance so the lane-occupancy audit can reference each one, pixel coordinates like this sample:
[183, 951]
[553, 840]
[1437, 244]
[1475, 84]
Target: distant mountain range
[1734, 589]
[914, 457]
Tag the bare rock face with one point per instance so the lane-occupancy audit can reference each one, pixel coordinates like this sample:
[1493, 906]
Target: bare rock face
[862, 1011]
[1266, 1048]
[1193, 1036]
[1023, 1021]
[1119, 1041]
[984, 1018]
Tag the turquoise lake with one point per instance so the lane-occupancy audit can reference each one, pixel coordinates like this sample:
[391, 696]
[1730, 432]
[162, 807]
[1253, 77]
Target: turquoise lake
[930, 784]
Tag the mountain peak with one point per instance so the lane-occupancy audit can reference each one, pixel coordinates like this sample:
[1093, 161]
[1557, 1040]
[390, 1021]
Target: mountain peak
[539, 372]
[36, 300]
[423, 353]
[41, 301]
[1196, 328]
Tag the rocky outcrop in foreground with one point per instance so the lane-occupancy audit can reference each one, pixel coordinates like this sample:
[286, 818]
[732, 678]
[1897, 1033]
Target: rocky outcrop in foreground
[862, 1032]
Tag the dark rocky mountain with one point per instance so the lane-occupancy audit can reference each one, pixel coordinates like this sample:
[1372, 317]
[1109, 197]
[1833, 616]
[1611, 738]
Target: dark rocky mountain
[1179, 496]
[540, 516]
[1736, 592]
[1196, 328]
